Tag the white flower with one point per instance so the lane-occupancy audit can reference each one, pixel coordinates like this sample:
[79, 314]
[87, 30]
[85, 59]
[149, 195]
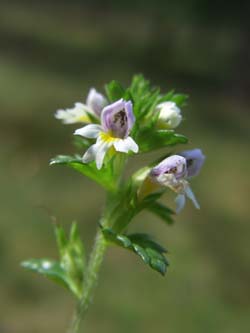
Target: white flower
[117, 121]
[77, 114]
[169, 115]
[81, 113]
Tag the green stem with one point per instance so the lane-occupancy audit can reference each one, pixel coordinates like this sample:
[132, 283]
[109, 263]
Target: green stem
[90, 281]
[95, 261]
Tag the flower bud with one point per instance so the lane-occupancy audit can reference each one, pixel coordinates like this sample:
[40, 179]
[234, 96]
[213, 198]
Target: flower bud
[169, 115]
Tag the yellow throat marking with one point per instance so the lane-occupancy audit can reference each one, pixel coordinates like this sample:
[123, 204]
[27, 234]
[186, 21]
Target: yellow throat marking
[106, 137]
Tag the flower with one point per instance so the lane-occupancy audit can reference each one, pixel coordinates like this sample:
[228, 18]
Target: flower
[194, 159]
[81, 113]
[96, 101]
[169, 115]
[172, 172]
[117, 120]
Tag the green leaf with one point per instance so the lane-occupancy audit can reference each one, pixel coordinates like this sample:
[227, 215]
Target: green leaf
[146, 241]
[148, 250]
[61, 239]
[149, 140]
[158, 265]
[154, 251]
[77, 251]
[80, 142]
[144, 106]
[114, 91]
[144, 99]
[69, 270]
[104, 177]
[72, 256]
[151, 198]
[141, 253]
[179, 99]
[118, 239]
[139, 86]
[74, 236]
[161, 211]
[52, 269]
[167, 97]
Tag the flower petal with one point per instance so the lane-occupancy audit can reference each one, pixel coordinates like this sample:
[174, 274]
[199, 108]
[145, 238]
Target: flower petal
[180, 201]
[90, 154]
[118, 118]
[174, 164]
[100, 154]
[195, 160]
[130, 115]
[96, 101]
[77, 114]
[191, 196]
[97, 152]
[90, 131]
[168, 180]
[125, 145]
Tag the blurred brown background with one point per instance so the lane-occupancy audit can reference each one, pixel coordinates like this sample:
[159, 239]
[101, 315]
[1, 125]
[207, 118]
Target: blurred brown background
[50, 54]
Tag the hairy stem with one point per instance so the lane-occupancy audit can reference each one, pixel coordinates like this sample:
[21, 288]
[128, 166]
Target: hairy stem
[90, 281]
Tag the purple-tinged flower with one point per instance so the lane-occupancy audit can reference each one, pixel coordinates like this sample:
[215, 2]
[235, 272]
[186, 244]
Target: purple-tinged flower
[172, 172]
[174, 164]
[81, 113]
[96, 101]
[117, 120]
[169, 115]
[194, 159]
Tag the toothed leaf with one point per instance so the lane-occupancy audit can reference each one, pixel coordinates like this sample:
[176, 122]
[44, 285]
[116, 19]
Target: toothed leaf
[148, 250]
[161, 211]
[103, 177]
[52, 269]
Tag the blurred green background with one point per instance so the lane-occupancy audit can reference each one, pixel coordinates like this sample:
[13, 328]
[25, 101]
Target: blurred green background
[50, 54]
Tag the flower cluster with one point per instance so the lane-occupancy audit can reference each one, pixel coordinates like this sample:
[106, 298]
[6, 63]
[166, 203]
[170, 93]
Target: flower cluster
[122, 126]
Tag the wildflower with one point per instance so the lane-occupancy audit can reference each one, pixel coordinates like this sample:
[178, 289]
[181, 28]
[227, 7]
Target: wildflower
[117, 120]
[194, 159]
[96, 101]
[169, 115]
[172, 172]
[81, 113]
